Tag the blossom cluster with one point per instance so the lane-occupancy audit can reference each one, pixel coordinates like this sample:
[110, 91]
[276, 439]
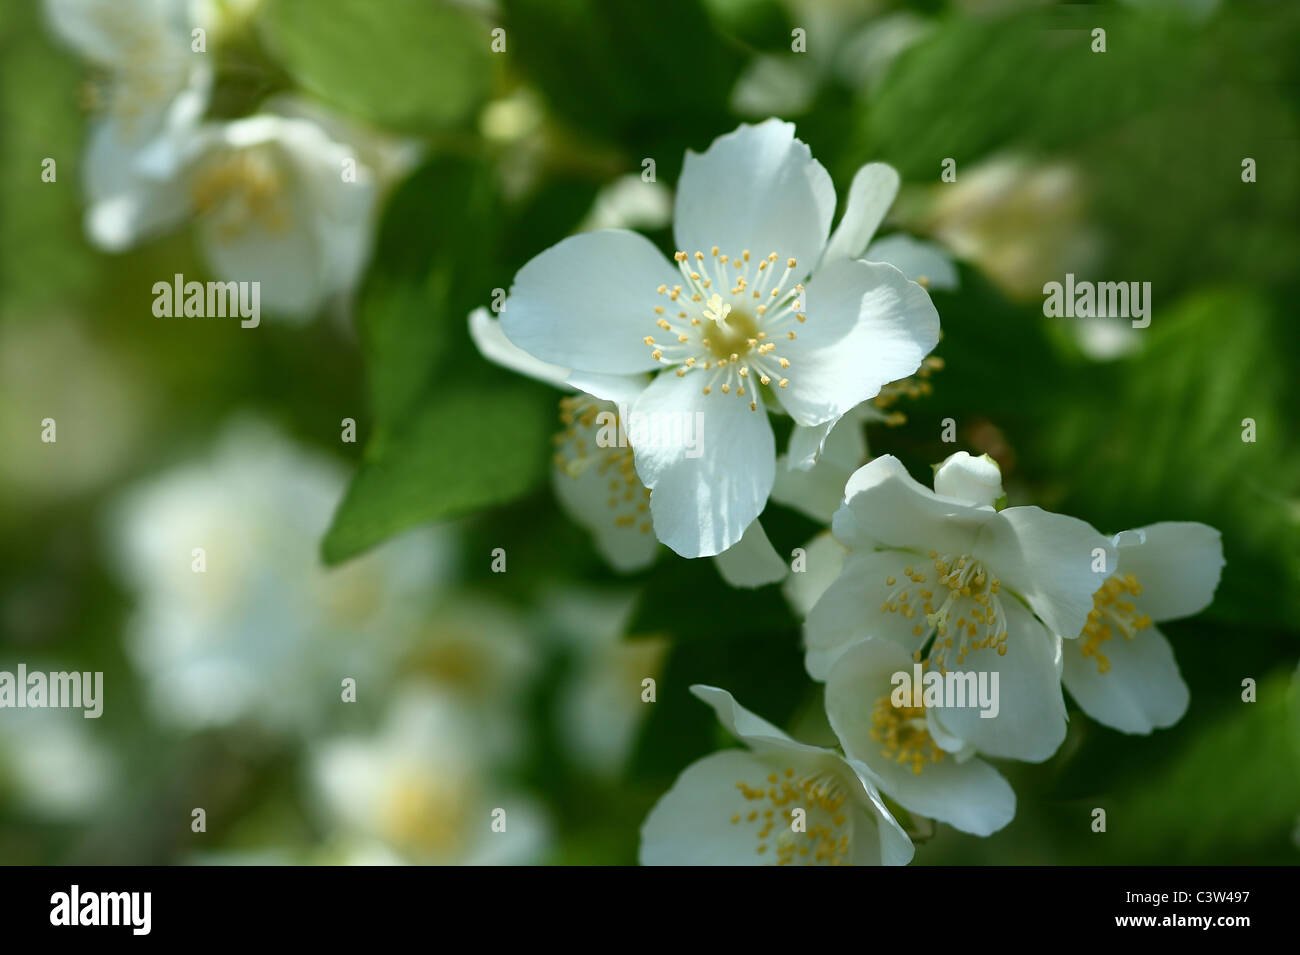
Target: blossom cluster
[765, 311]
[285, 197]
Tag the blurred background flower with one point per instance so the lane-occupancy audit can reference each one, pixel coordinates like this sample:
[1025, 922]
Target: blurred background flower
[235, 617]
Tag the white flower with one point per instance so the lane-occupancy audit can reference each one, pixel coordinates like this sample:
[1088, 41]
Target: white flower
[483, 656]
[1019, 220]
[630, 202]
[1121, 670]
[601, 706]
[945, 579]
[419, 791]
[914, 548]
[269, 191]
[55, 763]
[738, 807]
[157, 93]
[923, 262]
[907, 749]
[272, 206]
[733, 328]
[56, 366]
[264, 631]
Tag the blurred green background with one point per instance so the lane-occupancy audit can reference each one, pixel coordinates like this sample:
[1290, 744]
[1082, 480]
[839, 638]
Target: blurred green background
[524, 687]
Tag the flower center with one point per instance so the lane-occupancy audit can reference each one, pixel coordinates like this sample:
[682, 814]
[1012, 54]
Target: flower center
[577, 450]
[241, 190]
[1111, 611]
[419, 811]
[965, 616]
[823, 836]
[724, 322]
[903, 734]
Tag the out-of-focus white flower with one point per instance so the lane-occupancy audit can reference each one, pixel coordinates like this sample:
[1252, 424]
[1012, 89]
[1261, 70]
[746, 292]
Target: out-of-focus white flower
[52, 764]
[271, 202]
[601, 705]
[265, 632]
[1106, 338]
[779, 802]
[386, 157]
[1022, 222]
[157, 93]
[482, 656]
[866, 56]
[776, 86]
[420, 791]
[630, 203]
[286, 198]
[50, 368]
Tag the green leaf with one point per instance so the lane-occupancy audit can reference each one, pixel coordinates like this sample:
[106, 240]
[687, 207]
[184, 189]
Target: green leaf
[761, 667]
[416, 65]
[657, 80]
[1164, 442]
[431, 267]
[936, 100]
[467, 448]
[1232, 795]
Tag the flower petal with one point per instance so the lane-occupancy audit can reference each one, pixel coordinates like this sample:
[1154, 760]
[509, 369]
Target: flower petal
[316, 244]
[749, 728]
[885, 507]
[819, 491]
[493, 345]
[867, 326]
[1178, 564]
[1030, 717]
[967, 794]
[806, 444]
[620, 389]
[977, 481]
[892, 847]
[1141, 691]
[753, 562]
[850, 611]
[823, 562]
[871, 194]
[588, 302]
[1048, 559]
[691, 823]
[756, 188]
[115, 34]
[922, 262]
[703, 497]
